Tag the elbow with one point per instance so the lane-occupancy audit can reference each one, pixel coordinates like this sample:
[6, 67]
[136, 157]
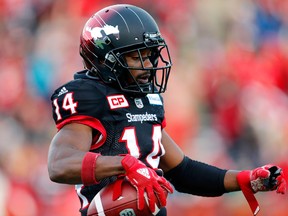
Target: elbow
[55, 174]
[54, 177]
[60, 173]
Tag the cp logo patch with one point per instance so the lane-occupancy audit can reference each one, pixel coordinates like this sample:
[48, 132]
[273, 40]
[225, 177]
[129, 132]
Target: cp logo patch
[117, 101]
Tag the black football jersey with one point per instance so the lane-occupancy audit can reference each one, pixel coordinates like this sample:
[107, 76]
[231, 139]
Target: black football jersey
[123, 124]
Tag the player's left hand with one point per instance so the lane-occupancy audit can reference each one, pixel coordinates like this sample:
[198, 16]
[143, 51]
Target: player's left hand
[268, 178]
[265, 178]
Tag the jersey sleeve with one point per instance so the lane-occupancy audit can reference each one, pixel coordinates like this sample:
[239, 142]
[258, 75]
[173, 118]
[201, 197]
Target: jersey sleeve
[79, 101]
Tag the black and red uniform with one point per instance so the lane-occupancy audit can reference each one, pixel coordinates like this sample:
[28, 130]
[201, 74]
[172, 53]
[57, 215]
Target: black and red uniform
[122, 124]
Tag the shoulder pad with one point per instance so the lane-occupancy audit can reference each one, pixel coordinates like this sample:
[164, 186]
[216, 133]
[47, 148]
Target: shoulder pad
[84, 74]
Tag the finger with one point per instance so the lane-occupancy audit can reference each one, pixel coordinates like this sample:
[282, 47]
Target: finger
[141, 201]
[161, 195]
[281, 185]
[262, 173]
[167, 187]
[151, 198]
[165, 184]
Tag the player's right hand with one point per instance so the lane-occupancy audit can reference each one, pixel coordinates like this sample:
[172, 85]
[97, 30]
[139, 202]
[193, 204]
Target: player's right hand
[145, 179]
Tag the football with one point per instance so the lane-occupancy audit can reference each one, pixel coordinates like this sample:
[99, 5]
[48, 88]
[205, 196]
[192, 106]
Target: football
[125, 205]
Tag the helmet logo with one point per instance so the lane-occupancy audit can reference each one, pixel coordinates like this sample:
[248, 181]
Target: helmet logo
[100, 33]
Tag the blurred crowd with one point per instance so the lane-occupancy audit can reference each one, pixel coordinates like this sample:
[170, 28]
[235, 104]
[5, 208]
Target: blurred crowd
[226, 102]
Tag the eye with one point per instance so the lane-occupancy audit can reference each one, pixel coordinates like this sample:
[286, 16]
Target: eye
[136, 58]
[145, 58]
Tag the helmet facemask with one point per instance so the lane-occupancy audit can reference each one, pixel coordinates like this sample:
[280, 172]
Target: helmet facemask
[160, 60]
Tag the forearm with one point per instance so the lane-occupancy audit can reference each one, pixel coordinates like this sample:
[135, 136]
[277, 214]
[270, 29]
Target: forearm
[68, 170]
[107, 166]
[197, 178]
[67, 153]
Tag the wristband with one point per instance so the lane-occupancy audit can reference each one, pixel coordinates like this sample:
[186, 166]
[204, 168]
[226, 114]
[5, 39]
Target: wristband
[88, 168]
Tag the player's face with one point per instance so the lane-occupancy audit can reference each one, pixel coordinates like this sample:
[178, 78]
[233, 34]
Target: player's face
[133, 60]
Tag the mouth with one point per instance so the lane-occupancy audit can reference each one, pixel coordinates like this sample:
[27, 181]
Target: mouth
[143, 78]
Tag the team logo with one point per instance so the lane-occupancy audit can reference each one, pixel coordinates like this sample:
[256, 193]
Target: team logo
[139, 103]
[117, 101]
[99, 33]
[127, 212]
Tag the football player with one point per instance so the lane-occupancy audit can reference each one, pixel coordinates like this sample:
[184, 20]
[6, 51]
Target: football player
[111, 123]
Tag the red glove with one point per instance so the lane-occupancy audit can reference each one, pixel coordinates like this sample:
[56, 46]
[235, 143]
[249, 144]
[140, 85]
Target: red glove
[145, 179]
[265, 178]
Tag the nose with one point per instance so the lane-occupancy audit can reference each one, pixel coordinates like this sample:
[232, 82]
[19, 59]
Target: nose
[147, 63]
